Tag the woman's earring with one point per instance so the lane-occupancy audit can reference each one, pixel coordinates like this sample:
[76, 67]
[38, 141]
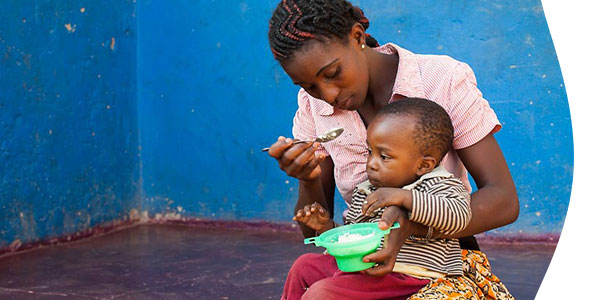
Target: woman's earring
[363, 46]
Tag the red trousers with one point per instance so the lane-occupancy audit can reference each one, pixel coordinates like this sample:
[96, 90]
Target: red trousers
[316, 276]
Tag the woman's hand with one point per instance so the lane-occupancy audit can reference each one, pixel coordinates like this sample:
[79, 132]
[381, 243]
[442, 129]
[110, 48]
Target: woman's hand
[386, 257]
[298, 161]
[315, 217]
[384, 197]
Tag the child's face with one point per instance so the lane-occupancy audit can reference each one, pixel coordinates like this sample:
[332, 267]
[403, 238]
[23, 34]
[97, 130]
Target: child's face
[394, 160]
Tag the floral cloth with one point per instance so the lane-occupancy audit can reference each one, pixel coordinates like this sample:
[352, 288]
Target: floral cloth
[478, 282]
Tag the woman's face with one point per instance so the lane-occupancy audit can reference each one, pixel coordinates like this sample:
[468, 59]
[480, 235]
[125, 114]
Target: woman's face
[334, 72]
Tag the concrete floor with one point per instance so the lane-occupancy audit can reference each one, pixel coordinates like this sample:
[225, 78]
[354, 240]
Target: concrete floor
[183, 262]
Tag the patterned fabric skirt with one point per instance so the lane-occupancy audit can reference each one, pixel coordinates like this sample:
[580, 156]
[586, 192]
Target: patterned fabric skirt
[478, 283]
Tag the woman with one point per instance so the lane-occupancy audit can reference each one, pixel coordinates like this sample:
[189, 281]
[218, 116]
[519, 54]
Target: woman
[345, 78]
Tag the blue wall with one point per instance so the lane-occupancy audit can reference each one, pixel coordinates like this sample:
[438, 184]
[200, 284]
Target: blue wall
[68, 117]
[211, 96]
[508, 45]
[163, 106]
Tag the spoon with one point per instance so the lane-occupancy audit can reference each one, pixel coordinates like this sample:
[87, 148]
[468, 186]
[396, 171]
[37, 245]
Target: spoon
[329, 135]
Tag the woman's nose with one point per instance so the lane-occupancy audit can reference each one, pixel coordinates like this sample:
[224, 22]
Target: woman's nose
[329, 93]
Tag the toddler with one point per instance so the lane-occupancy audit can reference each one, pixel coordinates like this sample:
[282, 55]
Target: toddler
[406, 142]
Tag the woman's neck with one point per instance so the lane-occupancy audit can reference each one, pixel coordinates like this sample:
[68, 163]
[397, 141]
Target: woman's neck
[382, 76]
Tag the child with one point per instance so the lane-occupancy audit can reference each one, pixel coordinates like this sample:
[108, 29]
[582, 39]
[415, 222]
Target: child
[407, 140]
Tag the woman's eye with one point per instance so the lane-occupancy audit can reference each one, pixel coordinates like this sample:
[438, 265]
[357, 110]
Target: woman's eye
[334, 74]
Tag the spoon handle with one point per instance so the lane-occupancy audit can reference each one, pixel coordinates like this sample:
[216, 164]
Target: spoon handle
[293, 143]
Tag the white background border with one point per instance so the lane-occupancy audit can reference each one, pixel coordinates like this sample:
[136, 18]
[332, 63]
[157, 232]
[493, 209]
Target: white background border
[575, 30]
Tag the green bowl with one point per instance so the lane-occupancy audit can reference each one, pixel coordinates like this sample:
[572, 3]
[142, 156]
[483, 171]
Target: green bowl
[349, 254]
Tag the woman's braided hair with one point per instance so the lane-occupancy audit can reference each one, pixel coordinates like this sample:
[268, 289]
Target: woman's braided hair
[296, 21]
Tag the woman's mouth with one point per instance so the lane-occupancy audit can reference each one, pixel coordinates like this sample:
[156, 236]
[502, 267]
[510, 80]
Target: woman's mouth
[345, 104]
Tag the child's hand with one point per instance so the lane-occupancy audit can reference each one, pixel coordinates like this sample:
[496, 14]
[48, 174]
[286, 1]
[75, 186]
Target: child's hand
[384, 197]
[315, 217]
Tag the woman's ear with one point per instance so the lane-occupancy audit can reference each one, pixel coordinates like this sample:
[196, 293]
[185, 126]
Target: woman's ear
[357, 34]
[426, 164]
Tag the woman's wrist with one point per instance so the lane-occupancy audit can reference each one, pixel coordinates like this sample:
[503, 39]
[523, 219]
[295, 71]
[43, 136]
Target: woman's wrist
[310, 184]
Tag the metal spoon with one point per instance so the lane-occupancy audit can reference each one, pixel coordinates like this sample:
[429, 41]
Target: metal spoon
[329, 135]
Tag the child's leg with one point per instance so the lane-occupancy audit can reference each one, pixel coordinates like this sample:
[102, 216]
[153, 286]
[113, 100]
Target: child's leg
[306, 270]
[362, 286]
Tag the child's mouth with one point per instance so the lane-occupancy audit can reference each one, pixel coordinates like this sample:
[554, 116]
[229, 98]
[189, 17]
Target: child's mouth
[374, 182]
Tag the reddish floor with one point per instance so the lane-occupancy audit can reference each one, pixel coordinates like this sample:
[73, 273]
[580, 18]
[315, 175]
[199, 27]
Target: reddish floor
[183, 262]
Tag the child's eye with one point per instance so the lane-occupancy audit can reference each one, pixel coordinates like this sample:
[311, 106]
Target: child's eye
[384, 157]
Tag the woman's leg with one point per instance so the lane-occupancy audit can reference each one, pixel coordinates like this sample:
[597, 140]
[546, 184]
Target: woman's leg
[306, 270]
[364, 287]
[478, 282]
[478, 269]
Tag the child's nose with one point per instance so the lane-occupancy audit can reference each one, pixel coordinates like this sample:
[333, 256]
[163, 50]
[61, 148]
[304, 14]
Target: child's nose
[371, 165]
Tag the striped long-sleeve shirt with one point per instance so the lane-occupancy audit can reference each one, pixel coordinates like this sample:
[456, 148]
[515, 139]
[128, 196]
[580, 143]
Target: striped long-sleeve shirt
[439, 200]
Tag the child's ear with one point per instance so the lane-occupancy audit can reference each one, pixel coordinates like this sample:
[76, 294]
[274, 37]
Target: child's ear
[426, 164]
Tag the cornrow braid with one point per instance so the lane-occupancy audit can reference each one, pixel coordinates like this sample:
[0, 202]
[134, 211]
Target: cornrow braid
[294, 22]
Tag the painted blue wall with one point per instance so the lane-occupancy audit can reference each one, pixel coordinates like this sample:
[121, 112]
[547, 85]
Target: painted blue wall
[68, 117]
[163, 107]
[211, 96]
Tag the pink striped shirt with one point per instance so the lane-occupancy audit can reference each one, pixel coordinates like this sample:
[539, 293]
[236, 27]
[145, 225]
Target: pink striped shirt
[448, 82]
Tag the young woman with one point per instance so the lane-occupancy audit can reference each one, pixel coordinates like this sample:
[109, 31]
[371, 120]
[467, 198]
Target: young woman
[345, 78]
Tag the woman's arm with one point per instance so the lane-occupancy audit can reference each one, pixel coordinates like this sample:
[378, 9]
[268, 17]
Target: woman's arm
[495, 203]
[321, 191]
[314, 172]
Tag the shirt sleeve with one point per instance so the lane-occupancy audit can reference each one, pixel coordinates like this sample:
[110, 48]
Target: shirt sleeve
[304, 121]
[446, 210]
[471, 114]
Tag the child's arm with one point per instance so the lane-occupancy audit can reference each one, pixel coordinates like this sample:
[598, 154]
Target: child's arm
[446, 209]
[315, 217]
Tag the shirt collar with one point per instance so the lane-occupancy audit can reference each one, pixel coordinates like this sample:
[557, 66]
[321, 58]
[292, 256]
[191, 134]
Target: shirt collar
[323, 108]
[408, 77]
[438, 171]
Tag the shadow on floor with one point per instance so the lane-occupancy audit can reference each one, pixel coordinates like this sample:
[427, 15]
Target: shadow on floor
[182, 262]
